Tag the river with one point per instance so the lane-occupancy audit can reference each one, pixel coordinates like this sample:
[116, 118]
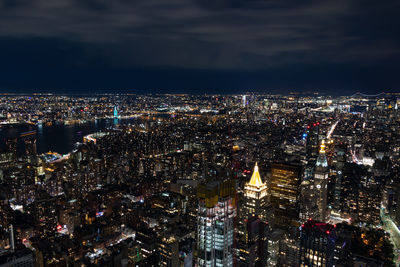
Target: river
[60, 138]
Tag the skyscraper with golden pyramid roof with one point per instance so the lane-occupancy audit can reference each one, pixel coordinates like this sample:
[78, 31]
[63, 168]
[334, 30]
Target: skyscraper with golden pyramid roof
[256, 196]
[253, 227]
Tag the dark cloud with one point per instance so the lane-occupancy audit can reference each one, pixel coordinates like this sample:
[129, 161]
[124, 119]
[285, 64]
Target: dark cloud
[97, 5]
[254, 37]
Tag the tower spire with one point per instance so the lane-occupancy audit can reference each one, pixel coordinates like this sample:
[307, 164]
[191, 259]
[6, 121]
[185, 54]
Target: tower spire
[322, 148]
[321, 160]
[256, 178]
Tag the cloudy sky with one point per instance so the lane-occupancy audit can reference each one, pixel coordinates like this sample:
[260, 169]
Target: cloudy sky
[199, 45]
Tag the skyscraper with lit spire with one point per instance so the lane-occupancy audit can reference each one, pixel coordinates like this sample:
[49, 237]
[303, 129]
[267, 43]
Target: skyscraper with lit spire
[256, 196]
[321, 183]
[115, 112]
[253, 224]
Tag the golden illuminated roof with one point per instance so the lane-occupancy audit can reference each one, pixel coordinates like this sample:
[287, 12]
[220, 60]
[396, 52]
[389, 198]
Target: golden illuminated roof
[322, 150]
[255, 178]
[321, 160]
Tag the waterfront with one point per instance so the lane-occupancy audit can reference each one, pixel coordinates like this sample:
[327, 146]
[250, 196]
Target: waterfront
[61, 138]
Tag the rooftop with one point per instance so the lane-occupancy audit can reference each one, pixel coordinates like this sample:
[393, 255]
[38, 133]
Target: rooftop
[256, 178]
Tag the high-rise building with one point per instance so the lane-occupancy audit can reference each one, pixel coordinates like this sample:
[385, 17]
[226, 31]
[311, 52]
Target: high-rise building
[369, 205]
[274, 241]
[45, 212]
[253, 226]
[308, 205]
[254, 250]
[289, 250]
[321, 184]
[169, 251]
[11, 147]
[6, 159]
[11, 144]
[285, 192]
[115, 112]
[317, 244]
[340, 163]
[22, 257]
[312, 140]
[256, 198]
[244, 102]
[215, 223]
[30, 146]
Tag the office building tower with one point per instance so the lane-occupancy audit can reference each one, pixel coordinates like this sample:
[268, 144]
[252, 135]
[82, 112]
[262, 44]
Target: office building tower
[340, 163]
[369, 205]
[169, 251]
[215, 223]
[254, 250]
[274, 241]
[30, 146]
[289, 250]
[317, 244]
[11, 147]
[256, 198]
[285, 193]
[21, 257]
[11, 144]
[147, 240]
[312, 140]
[45, 212]
[343, 245]
[255, 213]
[308, 205]
[321, 184]
[6, 160]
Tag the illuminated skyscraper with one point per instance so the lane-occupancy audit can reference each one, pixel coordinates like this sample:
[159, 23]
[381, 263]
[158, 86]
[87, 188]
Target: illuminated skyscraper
[256, 197]
[340, 163]
[253, 225]
[115, 112]
[215, 223]
[321, 183]
[285, 192]
[308, 205]
[244, 102]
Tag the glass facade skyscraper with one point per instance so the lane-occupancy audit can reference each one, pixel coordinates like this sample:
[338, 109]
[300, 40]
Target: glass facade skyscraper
[215, 223]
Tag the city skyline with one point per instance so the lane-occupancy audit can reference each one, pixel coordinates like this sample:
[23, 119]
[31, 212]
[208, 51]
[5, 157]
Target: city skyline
[181, 180]
[199, 133]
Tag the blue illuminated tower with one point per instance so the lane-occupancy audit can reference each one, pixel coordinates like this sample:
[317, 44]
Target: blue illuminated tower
[115, 112]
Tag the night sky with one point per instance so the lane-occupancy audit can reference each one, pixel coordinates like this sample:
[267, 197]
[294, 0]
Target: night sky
[199, 46]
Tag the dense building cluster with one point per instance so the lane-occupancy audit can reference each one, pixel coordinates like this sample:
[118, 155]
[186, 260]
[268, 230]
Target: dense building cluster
[254, 180]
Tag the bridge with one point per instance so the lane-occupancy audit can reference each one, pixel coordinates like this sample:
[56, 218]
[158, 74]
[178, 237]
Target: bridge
[359, 94]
